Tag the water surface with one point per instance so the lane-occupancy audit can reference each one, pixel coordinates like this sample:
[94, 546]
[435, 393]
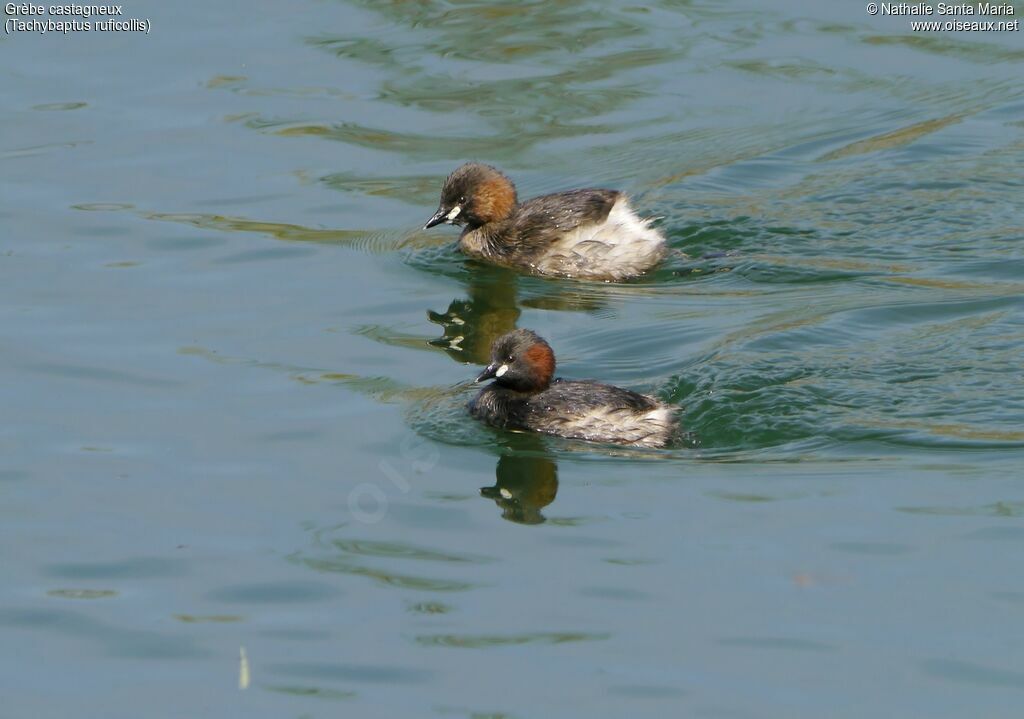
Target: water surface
[234, 368]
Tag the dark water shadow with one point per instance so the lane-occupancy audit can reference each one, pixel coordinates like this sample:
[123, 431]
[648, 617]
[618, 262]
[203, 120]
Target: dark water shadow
[566, 82]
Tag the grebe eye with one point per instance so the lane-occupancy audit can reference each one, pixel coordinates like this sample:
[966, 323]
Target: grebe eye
[462, 199]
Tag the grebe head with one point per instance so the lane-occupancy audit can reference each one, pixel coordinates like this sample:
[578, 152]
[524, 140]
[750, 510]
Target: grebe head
[521, 361]
[474, 195]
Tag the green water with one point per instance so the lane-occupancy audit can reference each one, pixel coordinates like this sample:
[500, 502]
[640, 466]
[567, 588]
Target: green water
[233, 368]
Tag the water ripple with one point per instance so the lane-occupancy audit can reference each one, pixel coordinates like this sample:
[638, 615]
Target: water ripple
[481, 641]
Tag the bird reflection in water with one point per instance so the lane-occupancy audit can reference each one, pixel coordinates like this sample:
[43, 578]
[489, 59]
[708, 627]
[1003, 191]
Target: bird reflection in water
[471, 325]
[526, 481]
[492, 308]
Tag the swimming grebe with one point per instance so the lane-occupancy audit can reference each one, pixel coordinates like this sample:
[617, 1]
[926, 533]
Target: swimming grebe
[587, 234]
[523, 396]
